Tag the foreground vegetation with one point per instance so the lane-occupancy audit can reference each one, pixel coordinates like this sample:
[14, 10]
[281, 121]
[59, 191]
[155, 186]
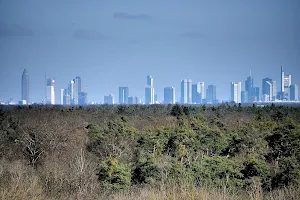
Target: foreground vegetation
[150, 152]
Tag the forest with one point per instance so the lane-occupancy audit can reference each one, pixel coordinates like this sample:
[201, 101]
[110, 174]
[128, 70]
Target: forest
[118, 152]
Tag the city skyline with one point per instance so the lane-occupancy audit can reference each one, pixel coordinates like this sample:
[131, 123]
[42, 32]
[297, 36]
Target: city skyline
[191, 93]
[212, 42]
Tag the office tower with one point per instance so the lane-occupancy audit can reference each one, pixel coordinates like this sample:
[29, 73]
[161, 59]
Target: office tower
[202, 91]
[211, 94]
[196, 93]
[169, 95]
[186, 91]
[267, 88]
[236, 89]
[155, 98]
[82, 98]
[71, 91]
[244, 97]
[62, 94]
[256, 94]
[274, 91]
[149, 91]
[77, 89]
[66, 97]
[249, 88]
[109, 99]
[123, 95]
[294, 92]
[25, 86]
[287, 84]
[282, 80]
[50, 91]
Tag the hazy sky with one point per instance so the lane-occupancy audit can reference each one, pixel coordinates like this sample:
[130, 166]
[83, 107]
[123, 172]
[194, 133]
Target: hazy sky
[114, 43]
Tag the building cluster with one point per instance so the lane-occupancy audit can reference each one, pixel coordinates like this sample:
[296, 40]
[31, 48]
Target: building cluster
[189, 94]
[73, 94]
[287, 90]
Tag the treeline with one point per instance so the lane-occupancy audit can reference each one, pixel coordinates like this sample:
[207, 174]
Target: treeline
[107, 149]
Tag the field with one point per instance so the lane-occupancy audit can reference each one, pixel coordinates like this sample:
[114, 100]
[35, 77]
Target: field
[150, 152]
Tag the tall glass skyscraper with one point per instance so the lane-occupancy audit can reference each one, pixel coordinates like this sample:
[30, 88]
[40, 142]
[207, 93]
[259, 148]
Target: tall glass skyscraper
[77, 89]
[50, 91]
[211, 94]
[186, 91]
[149, 91]
[196, 93]
[25, 86]
[123, 95]
[249, 88]
[236, 89]
[267, 89]
[169, 95]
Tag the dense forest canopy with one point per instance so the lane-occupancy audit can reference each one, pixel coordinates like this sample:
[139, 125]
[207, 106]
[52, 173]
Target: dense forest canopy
[106, 149]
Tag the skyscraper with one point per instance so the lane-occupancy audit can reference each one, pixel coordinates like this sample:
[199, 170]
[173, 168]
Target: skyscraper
[202, 91]
[211, 94]
[282, 80]
[249, 88]
[294, 92]
[256, 96]
[287, 84]
[25, 86]
[134, 100]
[244, 97]
[186, 91]
[50, 91]
[169, 95]
[77, 89]
[196, 93]
[267, 89]
[82, 98]
[236, 89]
[274, 91]
[62, 94]
[123, 95]
[71, 91]
[149, 91]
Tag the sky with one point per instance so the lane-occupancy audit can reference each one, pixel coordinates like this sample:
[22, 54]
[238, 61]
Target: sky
[112, 43]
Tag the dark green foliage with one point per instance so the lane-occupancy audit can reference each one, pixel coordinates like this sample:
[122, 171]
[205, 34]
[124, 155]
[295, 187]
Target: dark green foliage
[114, 175]
[218, 146]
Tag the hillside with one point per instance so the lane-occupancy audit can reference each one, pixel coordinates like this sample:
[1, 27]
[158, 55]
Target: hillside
[150, 152]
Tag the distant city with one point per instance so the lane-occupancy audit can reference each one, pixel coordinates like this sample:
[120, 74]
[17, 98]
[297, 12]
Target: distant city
[191, 93]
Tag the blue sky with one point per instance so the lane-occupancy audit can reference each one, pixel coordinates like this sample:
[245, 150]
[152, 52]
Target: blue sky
[112, 43]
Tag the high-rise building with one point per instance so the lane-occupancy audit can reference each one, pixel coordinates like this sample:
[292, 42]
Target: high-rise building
[149, 91]
[249, 88]
[169, 95]
[123, 95]
[186, 91]
[25, 86]
[196, 93]
[66, 97]
[202, 91]
[256, 96]
[50, 91]
[294, 92]
[110, 99]
[82, 98]
[267, 88]
[274, 91]
[244, 97]
[71, 91]
[282, 80]
[236, 89]
[211, 94]
[77, 89]
[287, 84]
[62, 94]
